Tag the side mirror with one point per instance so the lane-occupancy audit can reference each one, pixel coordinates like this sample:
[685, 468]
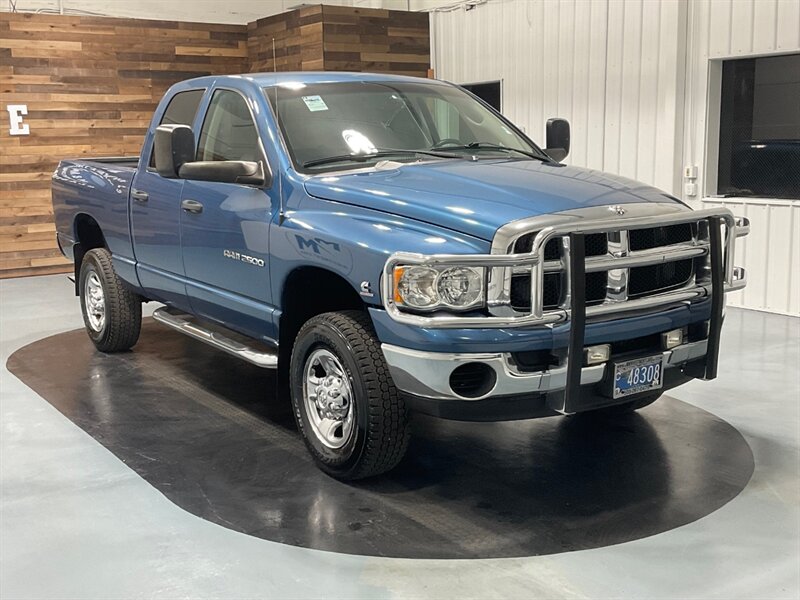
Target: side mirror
[224, 171]
[173, 147]
[557, 139]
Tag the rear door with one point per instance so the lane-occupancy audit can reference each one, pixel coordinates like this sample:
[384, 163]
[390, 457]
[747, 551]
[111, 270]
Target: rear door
[225, 237]
[155, 214]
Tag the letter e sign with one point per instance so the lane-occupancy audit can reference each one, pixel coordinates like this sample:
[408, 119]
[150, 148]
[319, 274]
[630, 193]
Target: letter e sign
[15, 112]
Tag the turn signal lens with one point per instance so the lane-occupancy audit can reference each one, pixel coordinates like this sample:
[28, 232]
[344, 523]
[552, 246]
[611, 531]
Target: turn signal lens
[398, 275]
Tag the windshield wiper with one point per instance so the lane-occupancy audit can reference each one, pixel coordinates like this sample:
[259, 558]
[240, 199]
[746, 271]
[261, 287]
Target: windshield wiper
[490, 146]
[377, 154]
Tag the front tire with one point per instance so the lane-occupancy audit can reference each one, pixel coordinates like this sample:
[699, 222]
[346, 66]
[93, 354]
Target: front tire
[112, 313]
[352, 418]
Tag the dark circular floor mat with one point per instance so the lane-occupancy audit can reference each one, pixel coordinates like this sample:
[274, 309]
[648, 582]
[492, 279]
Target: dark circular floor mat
[208, 431]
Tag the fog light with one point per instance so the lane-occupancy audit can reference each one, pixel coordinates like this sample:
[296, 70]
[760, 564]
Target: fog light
[672, 338]
[597, 354]
[473, 380]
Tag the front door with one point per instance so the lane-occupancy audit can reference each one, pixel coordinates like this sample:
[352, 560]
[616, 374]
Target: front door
[225, 226]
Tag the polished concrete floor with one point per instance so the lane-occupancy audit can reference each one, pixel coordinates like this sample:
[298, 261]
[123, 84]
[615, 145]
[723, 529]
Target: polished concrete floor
[84, 516]
[208, 431]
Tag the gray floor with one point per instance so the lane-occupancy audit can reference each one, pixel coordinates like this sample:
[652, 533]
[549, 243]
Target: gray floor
[78, 523]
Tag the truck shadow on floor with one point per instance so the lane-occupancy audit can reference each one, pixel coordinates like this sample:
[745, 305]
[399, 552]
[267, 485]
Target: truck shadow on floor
[208, 431]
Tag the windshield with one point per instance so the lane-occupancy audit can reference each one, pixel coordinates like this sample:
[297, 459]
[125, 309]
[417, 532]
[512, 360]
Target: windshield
[335, 126]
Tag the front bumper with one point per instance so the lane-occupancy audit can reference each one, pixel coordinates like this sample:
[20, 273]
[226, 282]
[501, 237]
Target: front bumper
[427, 374]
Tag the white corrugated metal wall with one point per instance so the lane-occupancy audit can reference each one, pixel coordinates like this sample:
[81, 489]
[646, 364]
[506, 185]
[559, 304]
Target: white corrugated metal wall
[719, 29]
[632, 76]
[608, 67]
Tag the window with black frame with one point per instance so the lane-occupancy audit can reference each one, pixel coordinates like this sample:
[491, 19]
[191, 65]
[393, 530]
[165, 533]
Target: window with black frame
[759, 129]
[489, 92]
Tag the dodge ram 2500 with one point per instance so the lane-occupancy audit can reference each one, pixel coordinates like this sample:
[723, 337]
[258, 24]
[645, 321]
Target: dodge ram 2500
[389, 245]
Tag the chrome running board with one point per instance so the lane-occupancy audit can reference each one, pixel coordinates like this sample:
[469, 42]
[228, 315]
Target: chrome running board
[266, 359]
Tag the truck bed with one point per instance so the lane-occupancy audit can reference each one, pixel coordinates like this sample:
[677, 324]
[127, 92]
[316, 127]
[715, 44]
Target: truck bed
[95, 189]
[130, 162]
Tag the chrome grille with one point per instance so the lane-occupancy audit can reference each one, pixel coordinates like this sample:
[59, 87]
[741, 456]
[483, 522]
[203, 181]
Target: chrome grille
[653, 237]
[602, 286]
[596, 245]
[645, 281]
[552, 251]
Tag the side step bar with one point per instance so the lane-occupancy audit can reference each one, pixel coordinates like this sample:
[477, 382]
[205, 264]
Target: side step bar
[184, 323]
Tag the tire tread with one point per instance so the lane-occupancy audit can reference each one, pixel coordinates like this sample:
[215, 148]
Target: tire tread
[388, 431]
[123, 306]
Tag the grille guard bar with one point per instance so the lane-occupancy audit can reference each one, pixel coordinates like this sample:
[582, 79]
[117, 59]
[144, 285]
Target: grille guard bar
[725, 277]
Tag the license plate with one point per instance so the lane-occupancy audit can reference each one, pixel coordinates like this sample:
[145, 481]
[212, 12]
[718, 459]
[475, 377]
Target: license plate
[639, 375]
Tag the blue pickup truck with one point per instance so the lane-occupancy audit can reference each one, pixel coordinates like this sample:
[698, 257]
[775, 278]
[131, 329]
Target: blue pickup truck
[392, 244]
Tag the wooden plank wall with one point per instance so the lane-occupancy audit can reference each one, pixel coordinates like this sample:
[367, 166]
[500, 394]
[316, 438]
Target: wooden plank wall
[91, 84]
[378, 41]
[342, 38]
[298, 41]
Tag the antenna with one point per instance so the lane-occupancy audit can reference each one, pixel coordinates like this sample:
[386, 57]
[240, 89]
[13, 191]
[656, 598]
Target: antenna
[281, 213]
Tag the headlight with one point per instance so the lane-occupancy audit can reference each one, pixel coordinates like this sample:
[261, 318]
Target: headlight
[429, 288]
[415, 286]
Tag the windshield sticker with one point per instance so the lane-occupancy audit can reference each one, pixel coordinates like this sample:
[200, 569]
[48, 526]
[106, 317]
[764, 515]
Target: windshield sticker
[315, 103]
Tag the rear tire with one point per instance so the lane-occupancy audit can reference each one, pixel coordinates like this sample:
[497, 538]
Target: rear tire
[352, 418]
[112, 313]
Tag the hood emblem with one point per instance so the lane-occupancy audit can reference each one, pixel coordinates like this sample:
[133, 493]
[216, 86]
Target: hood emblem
[617, 209]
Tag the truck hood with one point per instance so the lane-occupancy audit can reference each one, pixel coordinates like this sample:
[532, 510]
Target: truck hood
[477, 197]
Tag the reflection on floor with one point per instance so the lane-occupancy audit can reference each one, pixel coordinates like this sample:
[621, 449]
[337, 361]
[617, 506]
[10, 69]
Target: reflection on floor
[207, 430]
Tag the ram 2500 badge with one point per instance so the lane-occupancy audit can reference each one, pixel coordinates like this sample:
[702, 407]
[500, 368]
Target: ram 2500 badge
[392, 244]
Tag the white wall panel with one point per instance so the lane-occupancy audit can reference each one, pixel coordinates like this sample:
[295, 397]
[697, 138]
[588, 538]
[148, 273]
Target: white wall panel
[787, 26]
[719, 29]
[768, 253]
[611, 68]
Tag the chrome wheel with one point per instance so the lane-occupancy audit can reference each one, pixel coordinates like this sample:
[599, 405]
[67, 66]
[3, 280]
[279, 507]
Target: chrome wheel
[94, 302]
[328, 398]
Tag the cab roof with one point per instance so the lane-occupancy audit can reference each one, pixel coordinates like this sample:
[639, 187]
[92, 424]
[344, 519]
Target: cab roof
[307, 77]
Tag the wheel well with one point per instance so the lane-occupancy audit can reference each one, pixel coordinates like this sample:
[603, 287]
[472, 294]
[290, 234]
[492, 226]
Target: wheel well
[88, 236]
[310, 291]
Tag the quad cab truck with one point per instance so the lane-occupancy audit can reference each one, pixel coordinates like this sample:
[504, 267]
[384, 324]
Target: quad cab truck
[391, 244]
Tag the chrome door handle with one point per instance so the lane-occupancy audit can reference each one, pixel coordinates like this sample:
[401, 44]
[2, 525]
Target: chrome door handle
[139, 195]
[192, 206]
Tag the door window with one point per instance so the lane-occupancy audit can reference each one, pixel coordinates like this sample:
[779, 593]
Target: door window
[228, 130]
[180, 111]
